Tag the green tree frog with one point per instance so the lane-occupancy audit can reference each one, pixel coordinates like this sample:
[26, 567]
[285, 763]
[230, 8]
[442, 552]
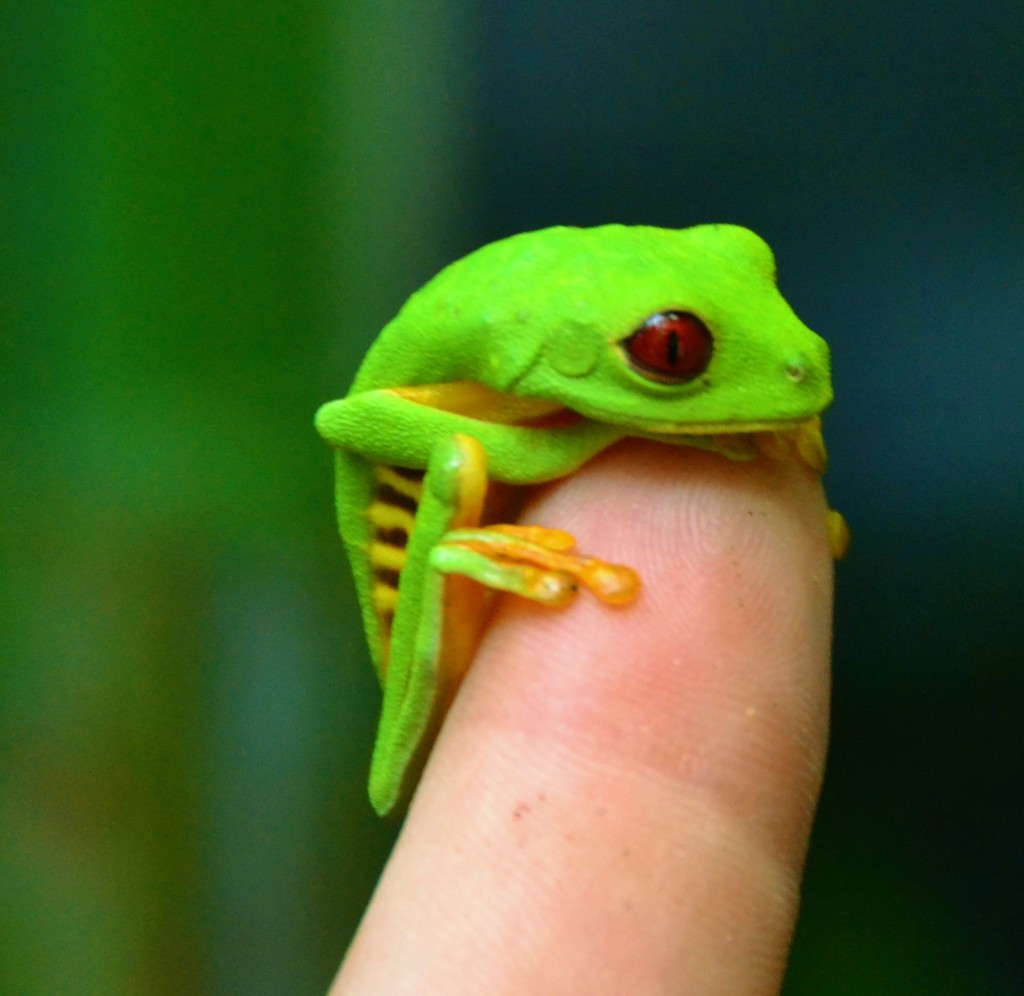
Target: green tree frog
[513, 366]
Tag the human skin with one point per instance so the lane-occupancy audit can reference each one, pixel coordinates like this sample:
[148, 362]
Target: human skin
[620, 799]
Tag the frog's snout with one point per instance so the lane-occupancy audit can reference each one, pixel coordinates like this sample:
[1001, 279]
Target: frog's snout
[803, 376]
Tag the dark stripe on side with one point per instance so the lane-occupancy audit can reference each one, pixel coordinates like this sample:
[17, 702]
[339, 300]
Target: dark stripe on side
[390, 496]
[409, 473]
[393, 537]
[386, 575]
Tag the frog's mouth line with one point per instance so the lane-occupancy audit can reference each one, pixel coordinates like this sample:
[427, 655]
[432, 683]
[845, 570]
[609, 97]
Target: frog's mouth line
[801, 440]
[795, 439]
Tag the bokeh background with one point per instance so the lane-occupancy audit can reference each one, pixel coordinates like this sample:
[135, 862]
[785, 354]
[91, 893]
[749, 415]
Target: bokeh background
[208, 211]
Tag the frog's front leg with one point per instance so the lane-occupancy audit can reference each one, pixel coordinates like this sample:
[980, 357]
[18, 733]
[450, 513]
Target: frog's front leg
[534, 562]
[452, 561]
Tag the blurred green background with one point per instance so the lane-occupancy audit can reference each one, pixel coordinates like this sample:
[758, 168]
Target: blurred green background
[209, 210]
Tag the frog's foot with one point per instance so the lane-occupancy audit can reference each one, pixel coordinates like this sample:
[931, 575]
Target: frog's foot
[534, 562]
[804, 443]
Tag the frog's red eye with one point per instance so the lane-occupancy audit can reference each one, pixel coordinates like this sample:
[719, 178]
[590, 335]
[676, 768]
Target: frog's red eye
[671, 346]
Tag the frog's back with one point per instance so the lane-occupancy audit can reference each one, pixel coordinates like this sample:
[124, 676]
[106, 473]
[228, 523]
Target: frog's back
[435, 337]
[482, 316]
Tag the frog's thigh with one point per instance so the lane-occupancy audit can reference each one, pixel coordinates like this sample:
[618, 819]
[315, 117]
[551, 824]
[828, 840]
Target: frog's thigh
[436, 625]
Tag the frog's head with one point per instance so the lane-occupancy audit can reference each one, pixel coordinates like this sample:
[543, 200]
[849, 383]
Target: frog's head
[661, 332]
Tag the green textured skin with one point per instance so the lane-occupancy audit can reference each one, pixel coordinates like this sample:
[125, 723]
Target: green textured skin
[541, 315]
[493, 315]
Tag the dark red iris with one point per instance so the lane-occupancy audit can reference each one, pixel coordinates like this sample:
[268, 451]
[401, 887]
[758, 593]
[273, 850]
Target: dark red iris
[672, 345]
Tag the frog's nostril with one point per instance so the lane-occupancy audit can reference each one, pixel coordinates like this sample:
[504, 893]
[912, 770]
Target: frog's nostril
[796, 370]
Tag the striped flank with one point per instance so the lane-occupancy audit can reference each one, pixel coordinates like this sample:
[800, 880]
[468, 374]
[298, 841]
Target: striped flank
[392, 515]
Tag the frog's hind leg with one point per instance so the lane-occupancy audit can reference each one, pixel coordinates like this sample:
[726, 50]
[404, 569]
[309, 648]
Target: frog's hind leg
[452, 566]
[436, 624]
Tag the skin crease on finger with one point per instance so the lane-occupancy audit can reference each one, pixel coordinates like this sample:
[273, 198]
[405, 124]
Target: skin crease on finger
[620, 799]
